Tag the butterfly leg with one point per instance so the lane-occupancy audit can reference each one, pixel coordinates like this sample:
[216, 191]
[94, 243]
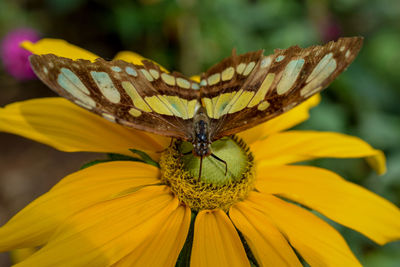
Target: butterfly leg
[201, 166]
[170, 144]
[178, 147]
[221, 160]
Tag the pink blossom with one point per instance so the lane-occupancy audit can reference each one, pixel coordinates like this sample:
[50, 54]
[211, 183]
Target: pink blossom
[15, 58]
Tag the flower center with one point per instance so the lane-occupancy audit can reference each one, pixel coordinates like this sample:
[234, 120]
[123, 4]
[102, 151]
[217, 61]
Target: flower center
[215, 188]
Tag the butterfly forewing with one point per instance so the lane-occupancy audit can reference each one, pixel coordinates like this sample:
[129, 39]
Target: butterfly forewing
[266, 86]
[142, 97]
[238, 93]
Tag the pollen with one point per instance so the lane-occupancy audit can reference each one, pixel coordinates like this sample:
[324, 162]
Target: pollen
[215, 188]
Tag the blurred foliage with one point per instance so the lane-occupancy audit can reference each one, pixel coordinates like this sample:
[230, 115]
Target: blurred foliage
[191, 35]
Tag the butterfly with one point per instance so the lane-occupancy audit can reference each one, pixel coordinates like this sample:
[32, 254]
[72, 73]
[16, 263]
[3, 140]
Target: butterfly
[236, 94]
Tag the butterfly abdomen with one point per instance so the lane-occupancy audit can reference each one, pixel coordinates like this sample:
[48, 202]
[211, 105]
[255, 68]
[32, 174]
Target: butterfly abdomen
[201, 136]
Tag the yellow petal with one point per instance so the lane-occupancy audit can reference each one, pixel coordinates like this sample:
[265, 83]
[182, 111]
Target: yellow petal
[195, 78]
[164, 248]
[267, 244]
[34, 225]
[67, 127]
[58, 47]
[295, 146]
[283, 122]
[130, 57]
[315, 240]
[19, 255]
[106, 232]
[216, 242]
[135, 58]
[62, 48]
[334, 197]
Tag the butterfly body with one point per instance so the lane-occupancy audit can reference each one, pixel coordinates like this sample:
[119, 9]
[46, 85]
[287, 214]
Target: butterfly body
[236, 94]
[201, 139]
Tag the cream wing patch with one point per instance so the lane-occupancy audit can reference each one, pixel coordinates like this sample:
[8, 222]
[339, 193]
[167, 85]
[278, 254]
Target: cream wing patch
[220, 104]
[242, 101]
[172, 106]
[154, 73]
[214, 79]
[177, 105]
[162, 104]
[168, 79]
[191, 107]
[116, 69]
[279, 58]
[84, 105]
[137, 100]
[266, 62]
[73, 85]
[135, 112]
[195, 86]
[322, 71]
[240, 68]
[289, 76]
[227, 103]
[147, 75]
[131, 71]
[209, 106]
[263, 105]
[108, 117]
[183, 83]
[157, 105]
[106, 86]
[263, 90]
[227, 74]
[185, 109]
[235, 97]
[249, 68]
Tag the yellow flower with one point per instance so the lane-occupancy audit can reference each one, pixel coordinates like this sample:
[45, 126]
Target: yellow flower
[125, 213]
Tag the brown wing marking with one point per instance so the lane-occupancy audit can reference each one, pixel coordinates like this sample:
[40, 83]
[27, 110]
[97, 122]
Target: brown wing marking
[281, 81]
[132, 95]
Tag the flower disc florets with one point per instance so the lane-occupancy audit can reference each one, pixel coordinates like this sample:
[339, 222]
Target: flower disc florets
[214, 189]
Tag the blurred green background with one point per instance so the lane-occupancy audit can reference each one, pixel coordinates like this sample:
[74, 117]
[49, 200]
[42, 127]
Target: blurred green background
[190, 36]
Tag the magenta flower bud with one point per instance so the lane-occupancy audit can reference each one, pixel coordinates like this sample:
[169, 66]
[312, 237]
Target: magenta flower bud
[14, 57]
[331, 31]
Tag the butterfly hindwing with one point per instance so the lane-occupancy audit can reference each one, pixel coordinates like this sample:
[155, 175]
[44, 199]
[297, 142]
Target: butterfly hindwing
[238, 93]
[141, 97]
[272, 84]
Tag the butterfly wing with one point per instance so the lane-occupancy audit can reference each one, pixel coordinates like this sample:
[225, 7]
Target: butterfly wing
[246, 90]
[141, 97]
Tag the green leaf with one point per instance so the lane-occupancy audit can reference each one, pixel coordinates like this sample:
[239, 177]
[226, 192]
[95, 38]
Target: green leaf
[114, 156]
[145, 158]
[249, 253]
[184, 255]
[111, 157]
[94, 162]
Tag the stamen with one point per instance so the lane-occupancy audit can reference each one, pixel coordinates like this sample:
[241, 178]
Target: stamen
[219, 185]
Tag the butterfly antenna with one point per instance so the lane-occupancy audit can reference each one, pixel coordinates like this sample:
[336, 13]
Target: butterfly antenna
[223, 161]
[234, 52]
[201, 166]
